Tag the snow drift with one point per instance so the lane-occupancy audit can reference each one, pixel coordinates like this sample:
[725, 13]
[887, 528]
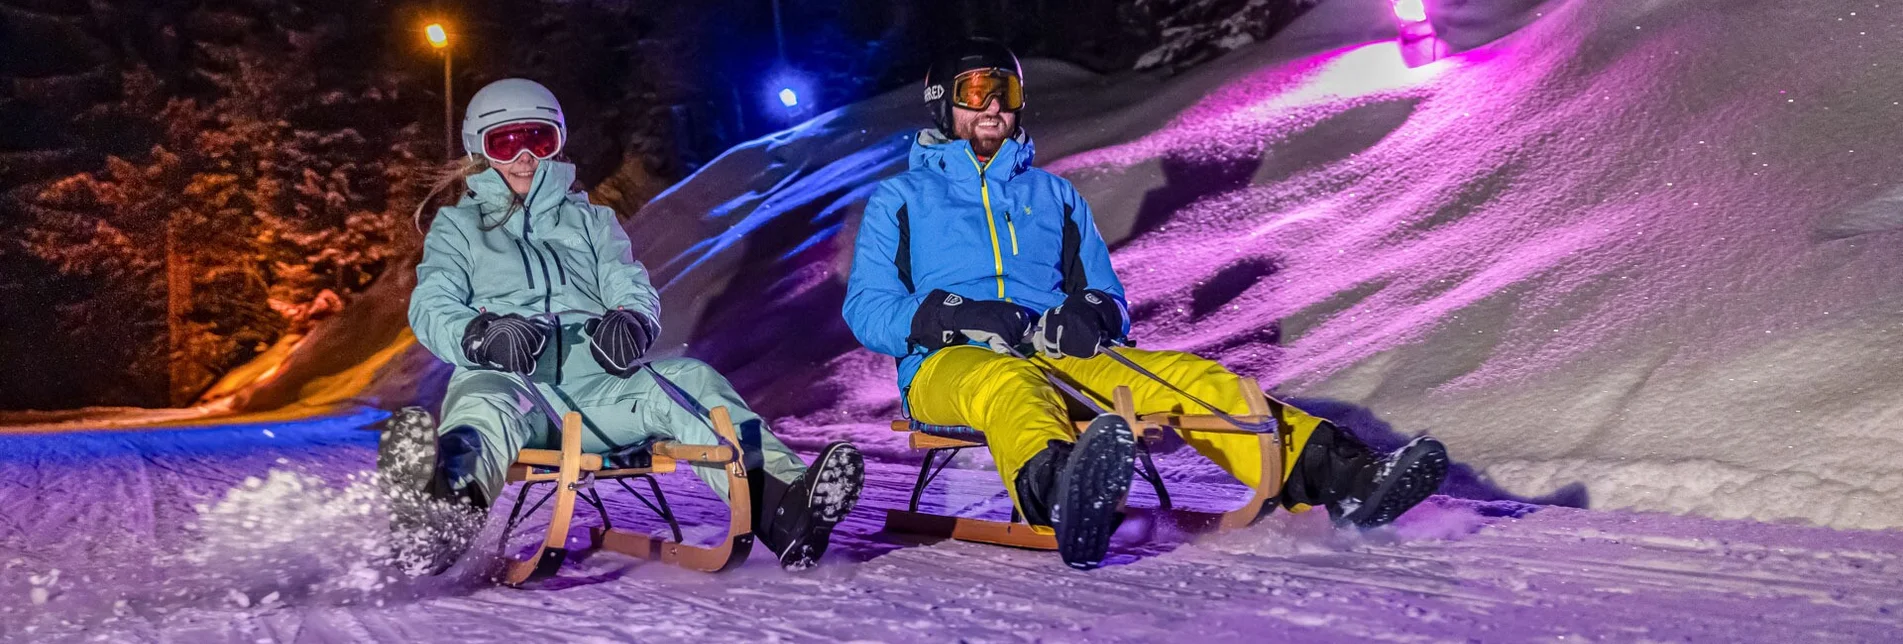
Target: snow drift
[1637, 253]
[1643, 247]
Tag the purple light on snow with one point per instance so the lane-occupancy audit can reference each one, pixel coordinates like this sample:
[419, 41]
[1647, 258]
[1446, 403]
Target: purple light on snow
[1410, 10]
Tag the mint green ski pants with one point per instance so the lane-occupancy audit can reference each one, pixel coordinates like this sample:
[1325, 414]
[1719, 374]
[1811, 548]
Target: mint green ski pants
[616, 412]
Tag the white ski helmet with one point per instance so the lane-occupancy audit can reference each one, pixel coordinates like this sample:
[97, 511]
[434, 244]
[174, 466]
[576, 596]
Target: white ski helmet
[509, 100]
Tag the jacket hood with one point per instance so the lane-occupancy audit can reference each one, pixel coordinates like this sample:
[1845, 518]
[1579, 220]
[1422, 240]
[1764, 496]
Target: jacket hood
[489, 194]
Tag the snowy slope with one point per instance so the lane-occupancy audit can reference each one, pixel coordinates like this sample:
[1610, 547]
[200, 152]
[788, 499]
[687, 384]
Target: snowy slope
[261, 533]
[1634, 255]
[1605, 250]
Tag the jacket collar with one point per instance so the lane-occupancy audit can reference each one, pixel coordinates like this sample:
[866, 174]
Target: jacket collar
[490, 193]
[933, 151]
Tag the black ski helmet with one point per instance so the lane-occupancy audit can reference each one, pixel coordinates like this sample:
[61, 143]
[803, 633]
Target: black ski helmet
[973, 53]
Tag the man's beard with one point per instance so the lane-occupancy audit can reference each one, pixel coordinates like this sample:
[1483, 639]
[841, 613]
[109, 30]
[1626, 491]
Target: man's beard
[986, 146]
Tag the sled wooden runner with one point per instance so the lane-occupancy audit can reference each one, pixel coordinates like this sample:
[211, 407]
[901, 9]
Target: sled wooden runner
[1148, 429]
[574, 475]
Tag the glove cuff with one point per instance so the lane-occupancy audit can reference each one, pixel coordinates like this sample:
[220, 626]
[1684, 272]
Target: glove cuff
[931, 326]
[472, 337]
[1108, 308]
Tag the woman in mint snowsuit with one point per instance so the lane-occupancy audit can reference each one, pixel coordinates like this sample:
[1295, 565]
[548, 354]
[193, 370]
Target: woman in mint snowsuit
[523, 279]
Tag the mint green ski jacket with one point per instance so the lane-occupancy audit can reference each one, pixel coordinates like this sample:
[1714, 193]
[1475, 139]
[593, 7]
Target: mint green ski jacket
[559, 255]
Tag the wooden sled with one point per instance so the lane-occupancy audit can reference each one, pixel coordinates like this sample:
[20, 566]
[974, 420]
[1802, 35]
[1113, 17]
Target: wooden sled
[935, 439]
[574, 474]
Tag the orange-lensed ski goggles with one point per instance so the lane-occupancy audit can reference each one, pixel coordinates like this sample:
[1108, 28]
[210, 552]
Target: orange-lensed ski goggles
[973, 90]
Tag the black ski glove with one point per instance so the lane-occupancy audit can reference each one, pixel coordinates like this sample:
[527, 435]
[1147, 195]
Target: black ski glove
[945, 319]
[619, 338]
[506, 342]
[1077, 327]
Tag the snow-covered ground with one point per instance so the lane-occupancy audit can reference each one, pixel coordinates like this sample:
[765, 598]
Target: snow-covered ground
[260, 533]
[1638, 255]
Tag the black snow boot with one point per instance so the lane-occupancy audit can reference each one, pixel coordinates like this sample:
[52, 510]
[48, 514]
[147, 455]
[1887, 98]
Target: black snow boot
[431, 521]
[453, 481]
[1091, 489]
[1358, 486]
[1037, 482]
[795, 520]
[1398, 482]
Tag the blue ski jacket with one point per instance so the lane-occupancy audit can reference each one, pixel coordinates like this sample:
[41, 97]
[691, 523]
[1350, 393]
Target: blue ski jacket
[996, 230]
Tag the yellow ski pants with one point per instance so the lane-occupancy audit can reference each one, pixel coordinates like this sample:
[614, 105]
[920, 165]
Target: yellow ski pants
[1020, 412]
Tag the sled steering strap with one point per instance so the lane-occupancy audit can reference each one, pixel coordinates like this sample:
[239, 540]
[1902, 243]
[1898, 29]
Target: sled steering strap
[1062, 386]
[1269, 427]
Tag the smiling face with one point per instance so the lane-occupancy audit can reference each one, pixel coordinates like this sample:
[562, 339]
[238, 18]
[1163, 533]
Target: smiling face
[520, 173]
[986, 129]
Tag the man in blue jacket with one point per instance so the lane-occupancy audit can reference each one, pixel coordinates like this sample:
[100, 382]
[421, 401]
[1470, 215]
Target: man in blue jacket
[973, 253]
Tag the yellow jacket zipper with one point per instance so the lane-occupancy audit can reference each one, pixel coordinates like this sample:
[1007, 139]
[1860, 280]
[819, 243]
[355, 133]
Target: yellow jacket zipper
[1008, 223]
[991, 222]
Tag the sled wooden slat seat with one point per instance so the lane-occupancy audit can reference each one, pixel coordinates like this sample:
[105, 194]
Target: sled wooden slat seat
[551, 458]
[574, 474]
[525, 472]
[935, 439]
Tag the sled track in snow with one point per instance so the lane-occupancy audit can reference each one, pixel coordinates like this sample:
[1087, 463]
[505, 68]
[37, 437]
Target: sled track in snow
[141, 528]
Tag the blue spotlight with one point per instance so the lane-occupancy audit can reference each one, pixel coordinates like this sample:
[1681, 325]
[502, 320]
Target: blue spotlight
[788, 95]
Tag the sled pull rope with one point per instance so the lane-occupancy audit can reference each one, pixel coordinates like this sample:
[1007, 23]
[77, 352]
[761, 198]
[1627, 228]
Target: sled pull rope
[687, 402]
[1063, 386]
[674, 391]
[1269, 427]
[541, 402]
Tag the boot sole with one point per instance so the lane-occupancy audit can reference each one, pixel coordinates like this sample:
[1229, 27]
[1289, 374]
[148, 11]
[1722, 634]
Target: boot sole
[1417, 474]
[406, 468]
[406, 450]
[1090, 495]
[834, 493]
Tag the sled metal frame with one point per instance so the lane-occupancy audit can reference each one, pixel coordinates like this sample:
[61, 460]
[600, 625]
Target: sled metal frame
[1148, 429]
[573, 475]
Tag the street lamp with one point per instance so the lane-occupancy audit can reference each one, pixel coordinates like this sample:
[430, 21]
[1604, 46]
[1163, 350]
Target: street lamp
[439, 39]
[1410, 10]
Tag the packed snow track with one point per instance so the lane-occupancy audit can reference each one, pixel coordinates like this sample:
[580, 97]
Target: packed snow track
[267, 533]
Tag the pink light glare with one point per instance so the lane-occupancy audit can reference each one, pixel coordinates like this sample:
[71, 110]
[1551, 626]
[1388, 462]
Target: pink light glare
[1410, 10]
[1263, 109]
